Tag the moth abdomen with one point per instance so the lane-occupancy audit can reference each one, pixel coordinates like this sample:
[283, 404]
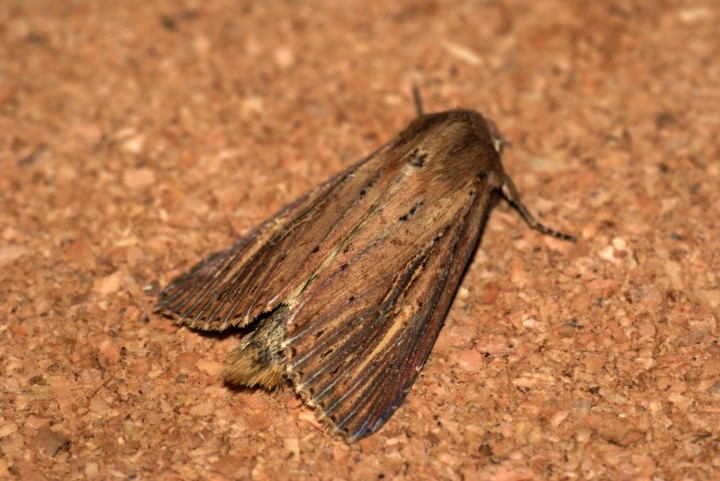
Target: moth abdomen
[260, 360]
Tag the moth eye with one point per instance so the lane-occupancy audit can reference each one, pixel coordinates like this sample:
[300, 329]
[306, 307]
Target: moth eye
[417, 158]
[482, 175]
[315, 249]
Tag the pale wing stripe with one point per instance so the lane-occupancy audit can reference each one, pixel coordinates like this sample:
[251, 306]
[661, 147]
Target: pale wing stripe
[393, 292]
[341, 355]
[377, 242]
[468, 236]
[383, 388]
[372, 332]
[343, 215]
[400, 365]
[378, 355]
[340, 329]
[375, 209]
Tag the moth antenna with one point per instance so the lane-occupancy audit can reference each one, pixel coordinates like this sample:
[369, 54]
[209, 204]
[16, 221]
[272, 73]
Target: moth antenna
[418, 100]
[511, 194]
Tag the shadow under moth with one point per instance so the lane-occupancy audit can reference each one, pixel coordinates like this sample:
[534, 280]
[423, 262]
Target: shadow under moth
[345, 290]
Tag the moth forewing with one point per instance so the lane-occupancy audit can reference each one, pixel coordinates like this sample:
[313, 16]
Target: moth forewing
[346, 289]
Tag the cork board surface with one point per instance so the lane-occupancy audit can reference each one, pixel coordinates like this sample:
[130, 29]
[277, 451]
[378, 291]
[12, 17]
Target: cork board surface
[137, 137]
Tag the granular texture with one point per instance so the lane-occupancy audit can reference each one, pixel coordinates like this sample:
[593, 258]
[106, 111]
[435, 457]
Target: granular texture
[137, 137]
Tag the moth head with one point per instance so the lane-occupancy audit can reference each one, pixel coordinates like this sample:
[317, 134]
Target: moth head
[490, 142]
[456, 145]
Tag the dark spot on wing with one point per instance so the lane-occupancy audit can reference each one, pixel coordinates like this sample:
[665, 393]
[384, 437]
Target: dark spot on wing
[417, 158]
[410, 212]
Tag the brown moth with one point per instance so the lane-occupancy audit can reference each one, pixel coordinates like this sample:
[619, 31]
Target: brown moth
[345, 289]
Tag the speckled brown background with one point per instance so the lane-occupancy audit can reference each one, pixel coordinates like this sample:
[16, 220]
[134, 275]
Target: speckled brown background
[137, 137]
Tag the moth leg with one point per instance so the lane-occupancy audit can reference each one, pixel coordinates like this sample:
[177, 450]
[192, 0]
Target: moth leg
[511, 194]
[259, 360]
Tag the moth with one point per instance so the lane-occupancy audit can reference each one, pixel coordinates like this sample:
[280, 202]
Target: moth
[344, 290]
